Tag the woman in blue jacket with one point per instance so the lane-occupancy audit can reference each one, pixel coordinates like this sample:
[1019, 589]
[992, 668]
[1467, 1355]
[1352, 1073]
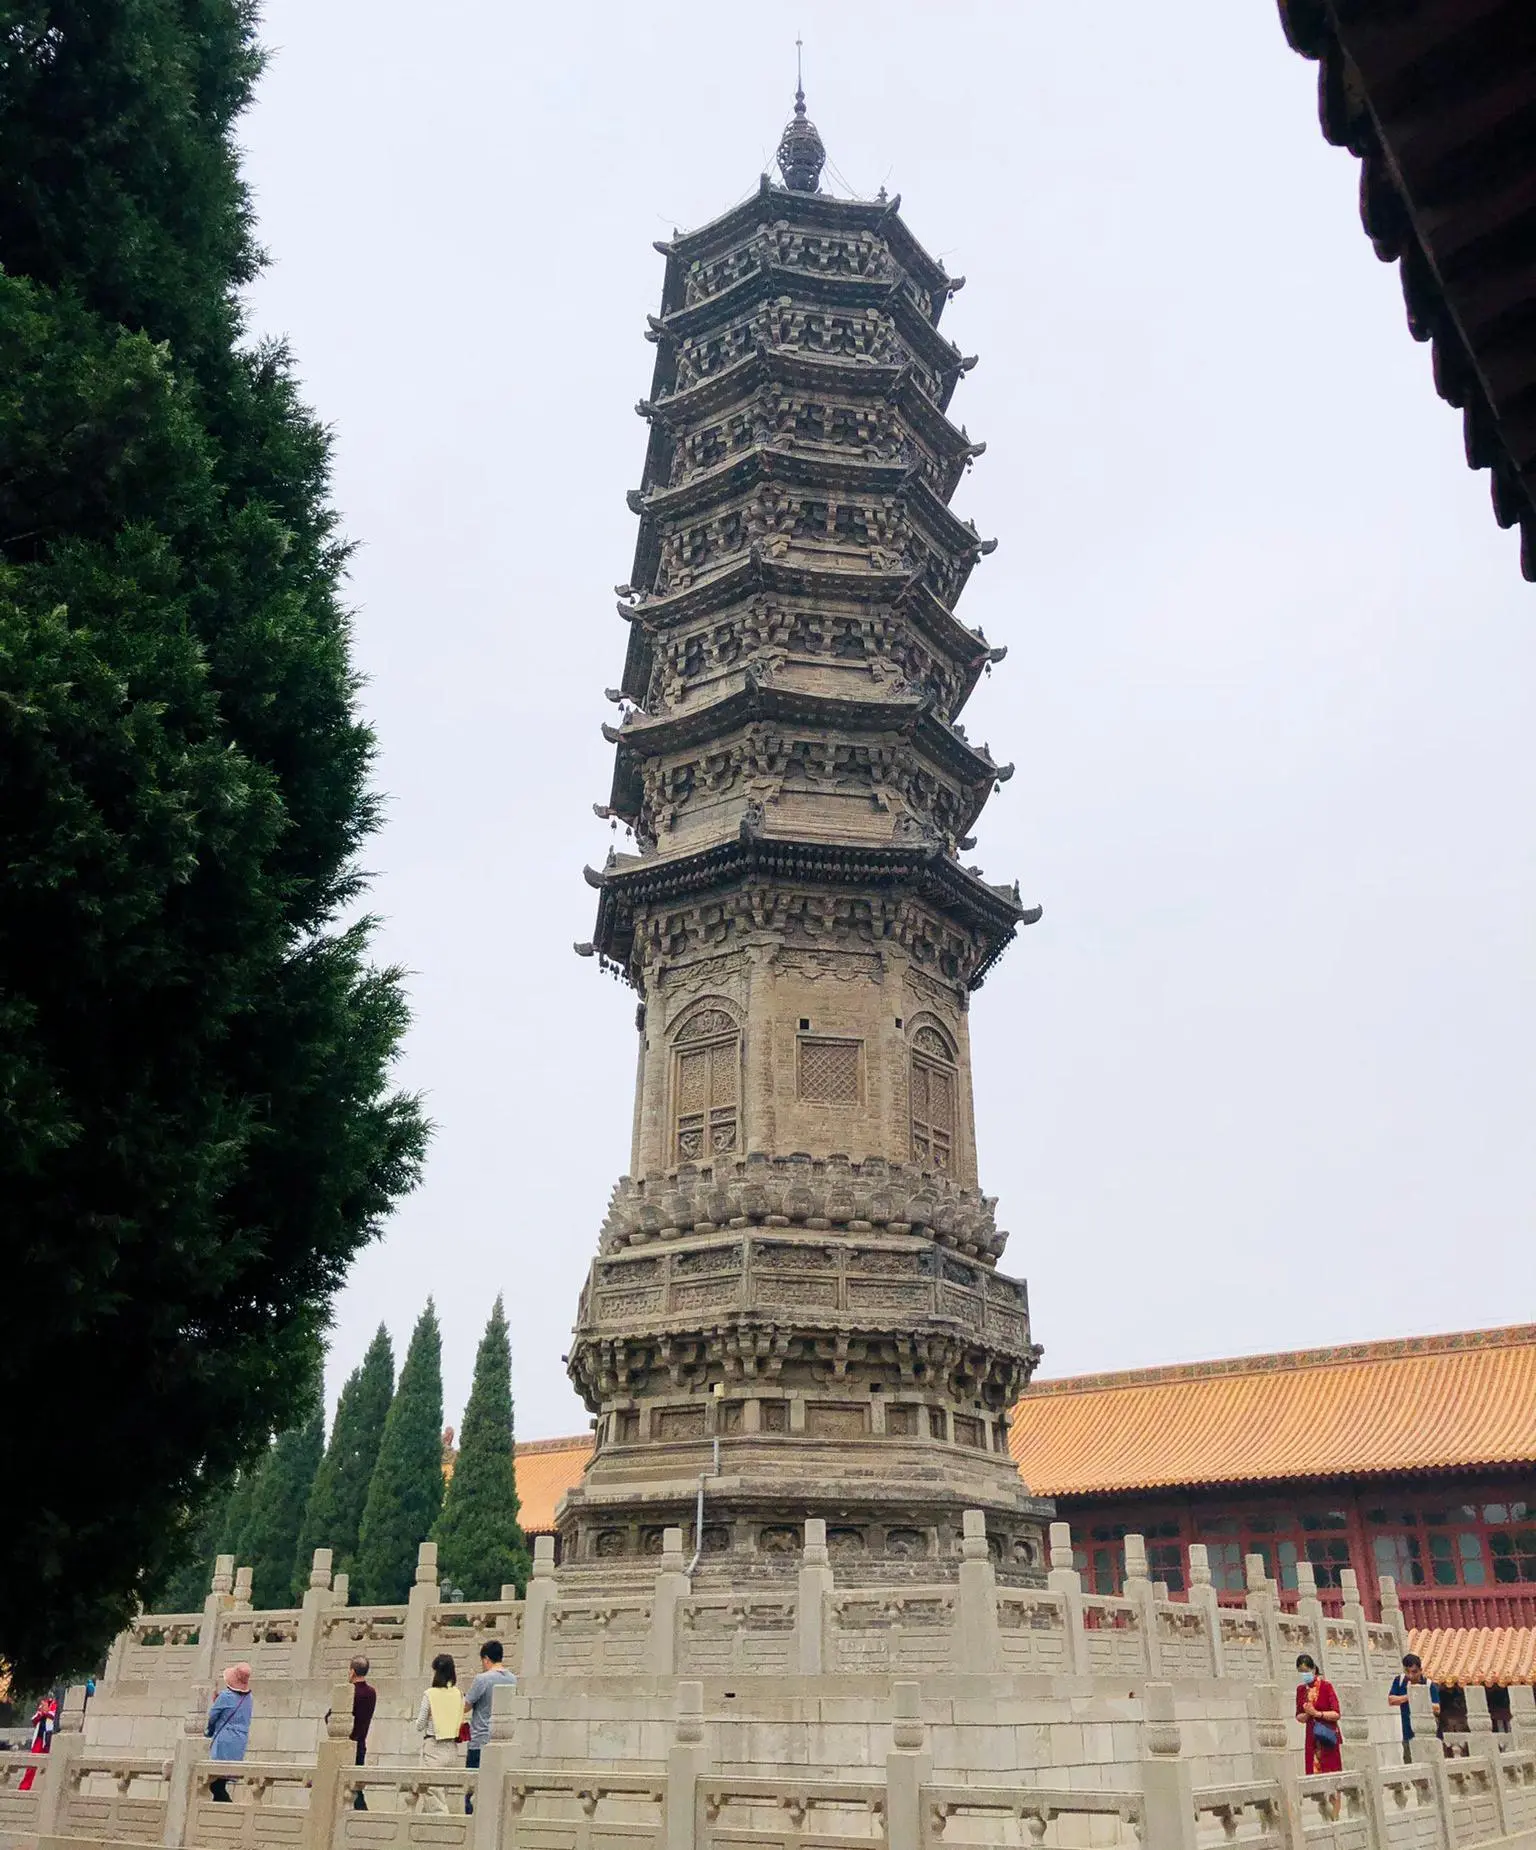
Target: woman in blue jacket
[229, 1724]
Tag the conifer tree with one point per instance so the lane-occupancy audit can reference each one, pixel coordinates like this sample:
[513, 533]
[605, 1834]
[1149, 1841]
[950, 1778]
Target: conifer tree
[334, 1513]
[279, 1495]
[481, 1545]
[189, 1585]
[196, 1128]
[406, 1490]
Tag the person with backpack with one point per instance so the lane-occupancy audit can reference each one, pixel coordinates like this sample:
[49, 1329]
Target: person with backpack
[229, 1725]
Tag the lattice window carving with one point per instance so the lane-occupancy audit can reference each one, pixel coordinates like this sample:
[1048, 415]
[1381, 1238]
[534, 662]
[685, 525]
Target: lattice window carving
[829, 1072]
[934, 1092]
[707, 1087]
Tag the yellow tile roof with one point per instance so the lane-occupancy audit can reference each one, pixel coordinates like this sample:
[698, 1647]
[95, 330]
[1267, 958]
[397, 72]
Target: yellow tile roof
[1419, 1403]
[1502, 1654]
[546, 1470]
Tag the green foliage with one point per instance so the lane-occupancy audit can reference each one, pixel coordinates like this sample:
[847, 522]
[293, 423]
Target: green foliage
[480, 1544]
[279, 1495]
[333, 1516]
[187, 1588]
[406, 1490]
[196, 1129]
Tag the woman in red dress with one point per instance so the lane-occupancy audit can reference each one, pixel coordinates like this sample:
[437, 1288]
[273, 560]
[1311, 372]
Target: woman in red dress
[1317, 1704]
[45, 1718]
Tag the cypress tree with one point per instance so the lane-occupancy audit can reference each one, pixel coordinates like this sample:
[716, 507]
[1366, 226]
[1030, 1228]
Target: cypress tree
[279, 1496]
[406, 1490]
[481, 1545]
[334, 1513]
[196, 1128]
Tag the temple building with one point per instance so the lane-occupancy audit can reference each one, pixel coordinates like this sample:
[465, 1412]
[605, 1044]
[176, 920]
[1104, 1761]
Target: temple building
[796, 1310]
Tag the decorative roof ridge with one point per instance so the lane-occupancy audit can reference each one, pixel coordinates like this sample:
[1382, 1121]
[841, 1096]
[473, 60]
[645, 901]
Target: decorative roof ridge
[555, 1445]
[1337, 1355]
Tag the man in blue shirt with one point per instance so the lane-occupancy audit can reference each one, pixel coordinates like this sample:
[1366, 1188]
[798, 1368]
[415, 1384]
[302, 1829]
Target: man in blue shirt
[1413, 1672]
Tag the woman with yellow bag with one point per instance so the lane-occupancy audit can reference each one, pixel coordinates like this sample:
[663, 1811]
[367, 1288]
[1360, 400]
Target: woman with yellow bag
[440, 1723]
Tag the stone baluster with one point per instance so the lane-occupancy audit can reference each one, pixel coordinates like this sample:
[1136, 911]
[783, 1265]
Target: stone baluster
[492, 1828]
[1309, 1609]
[1271, 1712]
[1354, 1618]
[687, 1758]
[1140, 1592]
[815, 1587]
[59, 1770]
[1522, 1715]
[1392, 1611]
[1483, 1744]
[978, 1640]
[1202, 1598]
[509, 1593]
[419, 1608]
[220, 1597]
[1260, 1599]
[334, 1759]
[317, 1599]
[541, 1596]
[341, 1589]
[191, 1747]
[1064, 1579]
[672, 1588]
[908, 1768]
[1167, 1788]
[241, 1602]
[1426, 1744]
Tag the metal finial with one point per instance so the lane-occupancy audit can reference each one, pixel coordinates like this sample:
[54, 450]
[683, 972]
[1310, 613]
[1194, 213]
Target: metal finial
[801, 154]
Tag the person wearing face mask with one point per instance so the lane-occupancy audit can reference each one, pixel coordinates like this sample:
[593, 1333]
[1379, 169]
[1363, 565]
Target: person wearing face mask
[1317, 1704]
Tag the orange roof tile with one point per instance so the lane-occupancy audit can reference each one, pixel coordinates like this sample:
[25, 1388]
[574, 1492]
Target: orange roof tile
[1501, 1654]
[546, 1470]
[1419, 1403]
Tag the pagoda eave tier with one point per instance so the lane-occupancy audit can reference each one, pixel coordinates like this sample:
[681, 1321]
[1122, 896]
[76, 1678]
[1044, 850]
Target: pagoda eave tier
[910, 717]
[810, 290]
[734, 385]
[771, 205]
[903, 590]
[765, 462]
[630, 885]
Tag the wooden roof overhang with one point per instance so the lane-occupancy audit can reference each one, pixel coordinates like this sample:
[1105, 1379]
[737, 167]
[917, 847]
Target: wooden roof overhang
[1438, 100]
[967, 649]
[632, 883]
[908, 717]
[734, 386]
[772, 205]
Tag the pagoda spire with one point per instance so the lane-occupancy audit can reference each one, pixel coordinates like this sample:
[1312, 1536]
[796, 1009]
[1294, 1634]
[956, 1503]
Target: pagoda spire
[802, 154]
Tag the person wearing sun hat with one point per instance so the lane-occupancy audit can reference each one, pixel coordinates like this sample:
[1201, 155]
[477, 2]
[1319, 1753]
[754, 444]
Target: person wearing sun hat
[229, 1724]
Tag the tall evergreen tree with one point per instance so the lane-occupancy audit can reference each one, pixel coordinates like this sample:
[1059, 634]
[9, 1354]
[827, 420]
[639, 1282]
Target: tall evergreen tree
[187, 1588]
[334, 1514]
[480, 1543]
[406, 1490]
[196, 1127]
[278, 1500]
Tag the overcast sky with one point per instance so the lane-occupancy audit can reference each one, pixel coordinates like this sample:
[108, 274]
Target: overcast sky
[1263, 1075]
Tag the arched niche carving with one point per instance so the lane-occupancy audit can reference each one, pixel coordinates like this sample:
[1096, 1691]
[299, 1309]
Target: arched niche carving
[706, 1083]
[933, 1094]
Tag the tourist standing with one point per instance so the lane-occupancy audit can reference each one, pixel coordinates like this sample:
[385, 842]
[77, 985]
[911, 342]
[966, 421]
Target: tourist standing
[365, 1699]
[229, 1725]
[1317, 1704]
[440, 1721]
[481, 1692]
[45, 1720]
[1412, 1672]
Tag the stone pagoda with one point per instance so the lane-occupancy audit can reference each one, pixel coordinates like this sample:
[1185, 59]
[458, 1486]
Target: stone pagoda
[796, 1309]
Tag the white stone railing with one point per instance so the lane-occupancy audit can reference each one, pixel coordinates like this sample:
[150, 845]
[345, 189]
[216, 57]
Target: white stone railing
[807, 1626]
